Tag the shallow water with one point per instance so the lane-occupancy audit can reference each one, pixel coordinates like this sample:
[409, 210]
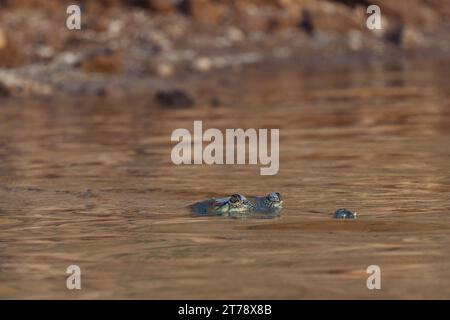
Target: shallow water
[90, 182]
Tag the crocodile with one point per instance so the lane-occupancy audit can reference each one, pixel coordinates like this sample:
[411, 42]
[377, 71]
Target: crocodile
[237, 205]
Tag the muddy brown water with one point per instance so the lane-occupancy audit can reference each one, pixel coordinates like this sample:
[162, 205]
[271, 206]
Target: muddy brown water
[90, 182]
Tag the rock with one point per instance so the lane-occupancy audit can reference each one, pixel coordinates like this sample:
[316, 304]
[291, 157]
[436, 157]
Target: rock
[174, 99]
[162, 6]
[165, 70]
[68, 58]
[102, 92]
[281, 52]
[45, 52]
[253, 19]
[328, 17]
[306, 23]
[2, 39]
[413, 38]
[157, 6]
[15, 85]
[234, 34]
[215, 102]
[10, 54]
[394, 32]
[115, 27]
[104, 61]
[159, 68]
[138, 3]
[266, 3]
[161, 41]
[85, 194]
[355, 40]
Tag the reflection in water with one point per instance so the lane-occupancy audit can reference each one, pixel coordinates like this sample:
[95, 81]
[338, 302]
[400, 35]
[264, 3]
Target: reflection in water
[91, 183]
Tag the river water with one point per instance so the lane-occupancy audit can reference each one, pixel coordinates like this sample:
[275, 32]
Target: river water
[90, 182]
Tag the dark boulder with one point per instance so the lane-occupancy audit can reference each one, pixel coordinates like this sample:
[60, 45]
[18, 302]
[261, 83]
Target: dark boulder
[174, 99]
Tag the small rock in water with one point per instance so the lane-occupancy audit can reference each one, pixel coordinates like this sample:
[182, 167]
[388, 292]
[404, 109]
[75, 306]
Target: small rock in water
[344, 214]
[174, 99]
[203, 64]
[2, 39]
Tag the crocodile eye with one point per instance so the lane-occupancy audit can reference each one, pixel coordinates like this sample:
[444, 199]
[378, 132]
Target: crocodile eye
[274, 196]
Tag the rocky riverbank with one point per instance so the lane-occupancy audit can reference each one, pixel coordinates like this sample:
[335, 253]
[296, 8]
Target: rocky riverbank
[124, 45]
